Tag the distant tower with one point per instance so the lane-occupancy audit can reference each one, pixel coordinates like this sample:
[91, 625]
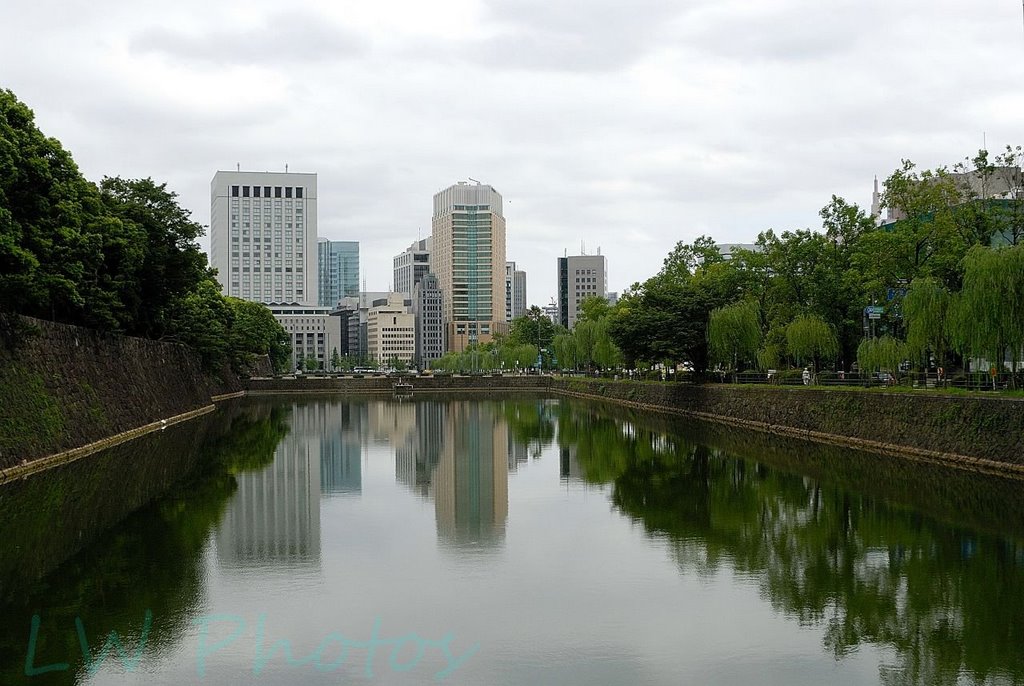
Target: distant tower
[876, 203]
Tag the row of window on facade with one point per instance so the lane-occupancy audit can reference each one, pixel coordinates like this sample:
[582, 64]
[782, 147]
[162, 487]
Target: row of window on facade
[264, 191]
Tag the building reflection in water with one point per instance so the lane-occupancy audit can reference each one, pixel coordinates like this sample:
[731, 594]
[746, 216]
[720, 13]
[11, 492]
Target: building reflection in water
[460, 455]
[569, 465]
[274, 516]
[341, 443]
[416, 459]
[470, 482]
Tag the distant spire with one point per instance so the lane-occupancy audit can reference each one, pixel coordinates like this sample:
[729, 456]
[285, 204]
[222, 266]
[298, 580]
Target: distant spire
[876, 203]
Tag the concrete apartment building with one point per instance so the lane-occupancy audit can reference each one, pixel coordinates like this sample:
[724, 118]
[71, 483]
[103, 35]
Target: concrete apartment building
[412, 265]
[263, 240]
[337, 271]
[428, 306]
[579, 277]
[468, 257]
[391, 330]
[515, 292]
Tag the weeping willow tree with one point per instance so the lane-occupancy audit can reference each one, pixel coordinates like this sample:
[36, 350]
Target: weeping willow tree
[564, 345]
[926, 313]
[734, 333]
[810, 339]
[881, 354]
[987, 317]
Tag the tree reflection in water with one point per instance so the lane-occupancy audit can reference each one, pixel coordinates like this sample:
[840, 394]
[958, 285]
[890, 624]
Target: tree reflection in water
[80, 568]
[925, 560]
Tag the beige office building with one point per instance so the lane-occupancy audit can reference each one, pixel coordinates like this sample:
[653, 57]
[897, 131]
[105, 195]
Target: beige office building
[468, 257]
[391, 330]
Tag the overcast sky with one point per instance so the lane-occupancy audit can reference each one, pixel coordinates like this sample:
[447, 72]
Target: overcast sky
[625, 125]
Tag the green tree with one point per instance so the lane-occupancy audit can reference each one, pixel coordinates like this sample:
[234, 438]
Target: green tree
[881, 354]
[202, 320]
[593, 308]
[254, 331]
[987, 317]
[53, 231]
[926, 241]
[171, 261]
[566, 354]
[810, 339]
[926, 312]
[664, 321]
[335, 360]
[533, 328]
[734, 333]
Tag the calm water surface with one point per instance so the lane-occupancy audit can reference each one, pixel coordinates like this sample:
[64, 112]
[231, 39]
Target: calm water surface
[531, 541]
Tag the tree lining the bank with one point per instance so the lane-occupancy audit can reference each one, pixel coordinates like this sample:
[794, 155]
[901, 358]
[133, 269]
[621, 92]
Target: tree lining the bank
[939, 277]
[120, 257]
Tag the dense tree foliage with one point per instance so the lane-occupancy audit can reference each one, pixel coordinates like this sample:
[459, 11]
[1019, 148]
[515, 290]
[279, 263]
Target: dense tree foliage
[503, 354]
[121, 256]
[664, 320]
[734, 333]
[943, 274]
[533, 328]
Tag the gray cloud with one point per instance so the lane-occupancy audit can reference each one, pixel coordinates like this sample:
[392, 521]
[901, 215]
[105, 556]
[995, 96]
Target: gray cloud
[627, 125]
[600, 35]
[287, 37]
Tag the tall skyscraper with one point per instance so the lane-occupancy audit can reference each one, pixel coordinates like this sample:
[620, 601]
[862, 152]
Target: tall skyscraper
[515, 292]
[468, 257]
[263, 235]
[338, 271]
[412, 265]
[579, 277]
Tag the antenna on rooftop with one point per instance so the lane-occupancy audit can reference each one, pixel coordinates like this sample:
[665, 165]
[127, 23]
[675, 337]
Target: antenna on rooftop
[285, 167]
[474, 180]
[238, 166]
[583, 248]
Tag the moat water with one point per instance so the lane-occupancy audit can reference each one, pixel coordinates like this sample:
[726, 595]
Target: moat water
[525, 541]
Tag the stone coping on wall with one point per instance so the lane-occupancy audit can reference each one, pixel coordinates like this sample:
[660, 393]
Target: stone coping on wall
[721, 404]
[28, 468]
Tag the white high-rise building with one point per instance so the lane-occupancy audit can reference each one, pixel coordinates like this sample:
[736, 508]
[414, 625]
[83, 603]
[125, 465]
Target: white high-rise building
[412, 265]
[263, 239]
[515, 292]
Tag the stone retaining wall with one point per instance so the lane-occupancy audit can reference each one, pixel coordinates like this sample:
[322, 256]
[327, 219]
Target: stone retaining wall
[64, 387]
[983, 433]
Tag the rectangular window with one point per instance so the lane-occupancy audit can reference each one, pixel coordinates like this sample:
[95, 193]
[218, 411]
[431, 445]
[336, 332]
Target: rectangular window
[234, 191]
[255, 191]
[245, 191]
[298, 192]
[287, 191]
[277, 191]
[266, 191]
